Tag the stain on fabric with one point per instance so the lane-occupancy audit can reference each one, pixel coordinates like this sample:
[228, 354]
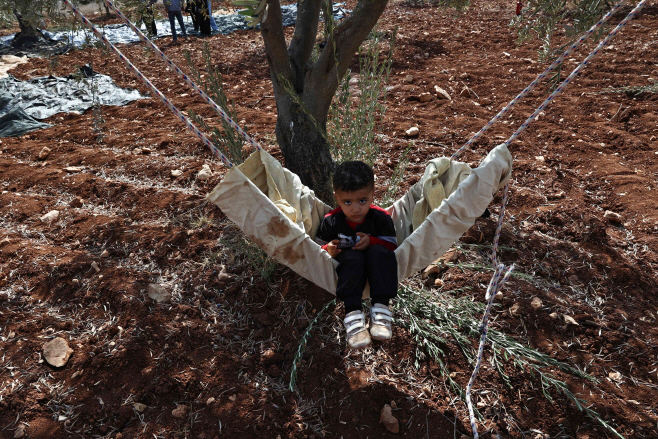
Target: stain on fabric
[288, 254]
[277, 227]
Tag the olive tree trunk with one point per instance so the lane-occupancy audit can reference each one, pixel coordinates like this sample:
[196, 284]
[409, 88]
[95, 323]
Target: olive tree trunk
[29, 33]
[303, 90]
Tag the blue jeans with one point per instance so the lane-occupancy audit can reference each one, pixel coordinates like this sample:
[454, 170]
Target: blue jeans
[176, 15]
[213, 24]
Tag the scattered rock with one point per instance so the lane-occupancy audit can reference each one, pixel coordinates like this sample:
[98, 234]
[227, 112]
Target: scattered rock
[540, 158]
[425, 97]
[44, 153]
[57, 352]
[95, 266]
[394, 405]
[50, 216]
[210, 400]
[409, 79]
[179, 412]
[612, 216]
[441, 93]
[506, 54]
[269, 357]
[412, 132]
[499, 295]
[485, 101]
[76, 374]
[12, 334]
[615, 376]
[570, 320]
[223, 275]
[74, 169]
[438, 282]
[536, 303]
[554, 315]
[434, 269]
[19, 432]
[464, 75]
[205, 173]
[105, 254]
[466, 93]
[76, 203]
[176, 173]
[514, 309]
[232, 398]
[147, 151]
[390, 422]
[159, 293]
[139, 407]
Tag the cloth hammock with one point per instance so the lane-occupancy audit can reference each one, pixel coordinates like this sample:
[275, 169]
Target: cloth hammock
[281, 215]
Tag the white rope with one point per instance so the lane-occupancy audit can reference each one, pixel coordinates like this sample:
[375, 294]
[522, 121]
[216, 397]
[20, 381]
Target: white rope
[218, 109]
[491, 292]
[188, 123]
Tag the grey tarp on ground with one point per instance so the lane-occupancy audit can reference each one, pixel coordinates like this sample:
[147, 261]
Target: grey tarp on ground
[14, 121]
[258, 208]
[121, 33]
[45, 96]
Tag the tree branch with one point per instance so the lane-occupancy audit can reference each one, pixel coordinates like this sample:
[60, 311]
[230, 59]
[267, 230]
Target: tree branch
[303, 40]
[275, 44]
[337, 54]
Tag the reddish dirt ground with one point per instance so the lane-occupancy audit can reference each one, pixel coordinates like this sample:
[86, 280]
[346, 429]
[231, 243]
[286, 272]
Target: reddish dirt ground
[234, 339]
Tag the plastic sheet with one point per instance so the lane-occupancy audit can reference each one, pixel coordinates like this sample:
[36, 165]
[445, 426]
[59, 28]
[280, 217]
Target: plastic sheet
[121, 33]
[45, 96]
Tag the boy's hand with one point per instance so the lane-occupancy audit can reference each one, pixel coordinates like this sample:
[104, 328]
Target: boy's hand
[332, 248]
[363, 243]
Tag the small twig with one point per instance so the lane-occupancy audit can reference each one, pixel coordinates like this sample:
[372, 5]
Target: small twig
[613, 116]
[259, 101]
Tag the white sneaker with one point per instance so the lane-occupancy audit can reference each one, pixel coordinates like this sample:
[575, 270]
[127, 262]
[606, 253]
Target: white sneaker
[380, 322]
[355, 327]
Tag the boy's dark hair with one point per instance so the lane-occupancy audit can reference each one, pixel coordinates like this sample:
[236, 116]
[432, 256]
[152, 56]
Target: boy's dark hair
[352, 176]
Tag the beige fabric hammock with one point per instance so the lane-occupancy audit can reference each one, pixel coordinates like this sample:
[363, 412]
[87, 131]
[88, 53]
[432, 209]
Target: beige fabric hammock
[273, 208]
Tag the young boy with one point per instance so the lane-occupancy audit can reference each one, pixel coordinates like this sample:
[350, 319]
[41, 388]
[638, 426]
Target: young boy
[361, 237]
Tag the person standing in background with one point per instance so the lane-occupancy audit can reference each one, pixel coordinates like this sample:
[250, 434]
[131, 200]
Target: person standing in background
[213, 24]
[146, 16]
[174, 11]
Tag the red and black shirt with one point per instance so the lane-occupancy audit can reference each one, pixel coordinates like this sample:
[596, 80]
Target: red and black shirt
[377, 223]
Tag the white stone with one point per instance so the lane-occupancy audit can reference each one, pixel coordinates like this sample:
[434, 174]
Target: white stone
[105, 254]
[50, 216]
[536, 303]
[615, 376]
[74, 169]
[139, 407]
[441, 93]
[176, 172]
[205, 173]
[57, 352]
[19, 432]
[570, 320]
[95, 266]
[612, 216]
[409, 78]
[44, 153]
[425, 97]
[210, 400]
[390, 422]
[158, 293]
[412, 132]
[180, 411]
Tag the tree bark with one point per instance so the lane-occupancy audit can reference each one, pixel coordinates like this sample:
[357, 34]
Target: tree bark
[303, 91]
[29, 34]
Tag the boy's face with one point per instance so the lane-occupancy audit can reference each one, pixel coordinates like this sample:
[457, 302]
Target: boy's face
[355, 204]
